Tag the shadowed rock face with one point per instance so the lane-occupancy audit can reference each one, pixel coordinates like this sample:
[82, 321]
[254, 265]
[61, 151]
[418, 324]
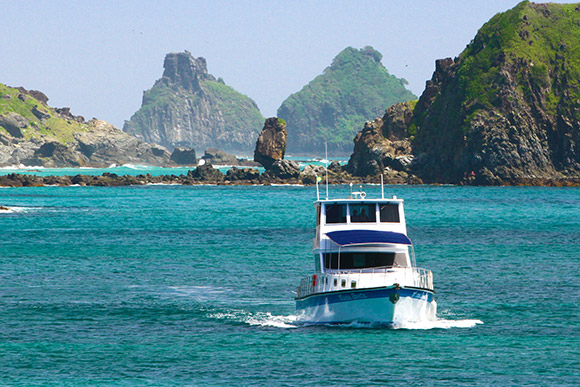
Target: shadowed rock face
[373, 152]
[184, 156]
[189, 107]
[271, 144]
[218, 157]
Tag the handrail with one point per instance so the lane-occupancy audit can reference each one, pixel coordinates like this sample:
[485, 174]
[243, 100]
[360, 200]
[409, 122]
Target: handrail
[365, 278]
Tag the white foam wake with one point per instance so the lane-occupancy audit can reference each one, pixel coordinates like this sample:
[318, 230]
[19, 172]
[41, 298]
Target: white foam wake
[12, 210]
[436, 324]
[262, 319]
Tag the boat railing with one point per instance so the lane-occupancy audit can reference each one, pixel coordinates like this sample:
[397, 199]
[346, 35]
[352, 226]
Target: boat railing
[365, 278]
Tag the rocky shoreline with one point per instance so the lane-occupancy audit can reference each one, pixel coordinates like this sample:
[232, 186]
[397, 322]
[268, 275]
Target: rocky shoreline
[241, 176]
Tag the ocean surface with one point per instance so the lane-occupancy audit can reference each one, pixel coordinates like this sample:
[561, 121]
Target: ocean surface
[192, 285]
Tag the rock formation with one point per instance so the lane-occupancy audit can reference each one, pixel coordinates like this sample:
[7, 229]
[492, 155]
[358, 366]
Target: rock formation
[271, 143]
[218, 157]
[374, 151]
[33, 133]
[206, 172]
[508, 107]
[188, 107]
[183, 156]
[283, 169]
[333, 106]
[506, 111]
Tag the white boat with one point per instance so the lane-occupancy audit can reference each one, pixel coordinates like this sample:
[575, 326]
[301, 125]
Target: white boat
[365, 269]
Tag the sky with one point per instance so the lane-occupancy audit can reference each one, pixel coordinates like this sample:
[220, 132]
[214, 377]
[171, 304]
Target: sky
[97, 57]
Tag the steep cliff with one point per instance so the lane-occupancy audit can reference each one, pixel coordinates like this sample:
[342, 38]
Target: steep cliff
[507, 110]
[33, 133]
[190, 107]
[334, 105]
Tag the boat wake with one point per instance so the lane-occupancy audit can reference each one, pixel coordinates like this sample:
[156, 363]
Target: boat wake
[436, 324]
[267, 319]
[17, 210]
[262, 319]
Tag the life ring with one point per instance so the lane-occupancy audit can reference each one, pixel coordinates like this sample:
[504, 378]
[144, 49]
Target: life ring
[314, 280]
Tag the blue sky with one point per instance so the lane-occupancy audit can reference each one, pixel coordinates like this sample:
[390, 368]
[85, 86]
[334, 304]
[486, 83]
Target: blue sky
[98, 57]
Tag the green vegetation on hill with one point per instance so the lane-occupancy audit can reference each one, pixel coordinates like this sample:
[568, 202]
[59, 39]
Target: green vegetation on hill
[238, 110]
[333, 106]
[39, 119]
[541, 42]
[509, 106]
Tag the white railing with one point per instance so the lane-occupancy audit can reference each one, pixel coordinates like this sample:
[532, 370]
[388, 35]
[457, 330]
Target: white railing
[365, 278]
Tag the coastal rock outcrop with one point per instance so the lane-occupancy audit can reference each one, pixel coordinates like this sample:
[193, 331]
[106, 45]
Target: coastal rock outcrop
[183, 156]
[206, 172]
[218, 157]
[373, 152]
[189, 107]
[505, 111]
[334, 105]
[39, 135]
[271, 143]
[283, 169]
[240, 174]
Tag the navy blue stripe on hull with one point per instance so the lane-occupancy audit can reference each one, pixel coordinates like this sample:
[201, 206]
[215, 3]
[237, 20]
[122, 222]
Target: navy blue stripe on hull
[360, 294]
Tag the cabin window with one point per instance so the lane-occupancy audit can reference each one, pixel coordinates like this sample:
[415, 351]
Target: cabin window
[343, 283]
[363, 260]
[363, 213]
[317, 216]
[353, 284]
[389, 213]
[336, 213]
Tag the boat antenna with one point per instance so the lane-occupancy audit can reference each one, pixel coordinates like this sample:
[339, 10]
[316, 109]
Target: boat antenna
[382, 188]
[318, 178]
[326, 165]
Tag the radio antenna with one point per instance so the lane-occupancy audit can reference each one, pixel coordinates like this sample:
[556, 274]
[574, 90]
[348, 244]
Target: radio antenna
[326, 165]
[382, 188]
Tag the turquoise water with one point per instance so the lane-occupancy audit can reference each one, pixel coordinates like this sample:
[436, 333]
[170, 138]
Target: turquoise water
[134, 169]
[174, 285]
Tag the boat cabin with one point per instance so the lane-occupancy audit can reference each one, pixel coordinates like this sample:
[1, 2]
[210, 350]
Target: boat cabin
[360, 234]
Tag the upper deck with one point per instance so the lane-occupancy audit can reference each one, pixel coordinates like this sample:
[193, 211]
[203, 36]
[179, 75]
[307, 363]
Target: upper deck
[358, 213]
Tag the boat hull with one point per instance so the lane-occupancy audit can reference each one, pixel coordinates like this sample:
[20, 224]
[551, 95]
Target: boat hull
[382, 305]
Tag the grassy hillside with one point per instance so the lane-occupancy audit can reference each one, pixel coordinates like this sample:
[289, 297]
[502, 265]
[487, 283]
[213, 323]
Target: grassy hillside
[42, 119]
[541, 40]
[508, 107]
[336, 104]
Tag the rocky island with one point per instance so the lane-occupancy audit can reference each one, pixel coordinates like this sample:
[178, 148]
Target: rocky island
[188, 107]
[506, 111]
[331, 108]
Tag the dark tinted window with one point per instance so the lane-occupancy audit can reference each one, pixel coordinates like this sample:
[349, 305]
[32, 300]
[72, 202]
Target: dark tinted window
[389, 213]
[336, 213]
[363, 260]
[360, 213]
